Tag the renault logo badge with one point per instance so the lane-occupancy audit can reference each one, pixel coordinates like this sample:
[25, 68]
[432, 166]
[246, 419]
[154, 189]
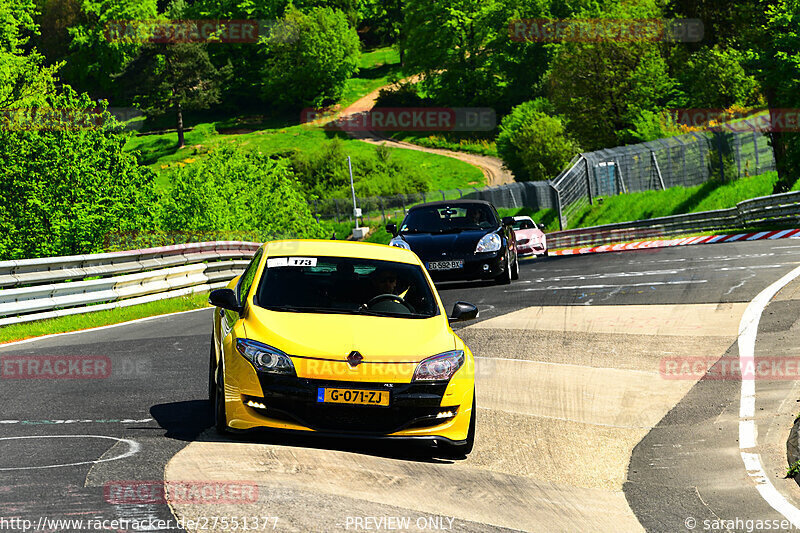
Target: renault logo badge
[354, 359]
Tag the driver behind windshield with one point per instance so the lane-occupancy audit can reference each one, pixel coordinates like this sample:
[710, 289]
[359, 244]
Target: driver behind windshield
[383, 282]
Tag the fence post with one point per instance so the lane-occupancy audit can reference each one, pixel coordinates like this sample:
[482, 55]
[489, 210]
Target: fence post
[441, 191]
[336, 204]
[755, 151]
[460, 194]
[619, 175]
[738, 147]
[403, 203]
[718, 138]
[658, 170]
[588, 180]
[383, 210]
[562, 223]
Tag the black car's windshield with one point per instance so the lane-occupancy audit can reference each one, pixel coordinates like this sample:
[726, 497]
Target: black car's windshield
[442, 219]
[345, 285]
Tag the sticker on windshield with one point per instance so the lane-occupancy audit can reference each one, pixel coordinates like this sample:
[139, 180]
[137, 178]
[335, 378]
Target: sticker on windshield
[274, 262]
[303, 261]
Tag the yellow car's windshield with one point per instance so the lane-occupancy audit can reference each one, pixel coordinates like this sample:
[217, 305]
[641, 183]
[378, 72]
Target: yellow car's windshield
[345, 285]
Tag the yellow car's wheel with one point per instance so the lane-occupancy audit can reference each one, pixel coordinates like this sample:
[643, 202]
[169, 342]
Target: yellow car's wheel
[220, 416]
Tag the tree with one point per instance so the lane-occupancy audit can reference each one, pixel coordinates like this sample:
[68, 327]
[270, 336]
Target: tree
[775, 47]
[453, 45]
[267, 197]
[24, 80]
[308, 57]
[715, 78]
[66, 189]
[174, 77]
[95, 55]
[533, 144]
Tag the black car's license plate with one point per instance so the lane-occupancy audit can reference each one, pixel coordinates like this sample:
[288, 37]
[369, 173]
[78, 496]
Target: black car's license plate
[445, 265]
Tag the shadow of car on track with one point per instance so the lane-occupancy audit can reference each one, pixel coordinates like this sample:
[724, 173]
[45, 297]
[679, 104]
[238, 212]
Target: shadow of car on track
[192, 421]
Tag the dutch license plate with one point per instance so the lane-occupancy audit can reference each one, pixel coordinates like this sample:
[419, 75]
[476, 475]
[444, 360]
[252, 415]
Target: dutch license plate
[445, 265]
[353, 397]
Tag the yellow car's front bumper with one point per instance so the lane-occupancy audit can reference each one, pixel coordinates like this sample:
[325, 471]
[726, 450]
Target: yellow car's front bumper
[417, 410]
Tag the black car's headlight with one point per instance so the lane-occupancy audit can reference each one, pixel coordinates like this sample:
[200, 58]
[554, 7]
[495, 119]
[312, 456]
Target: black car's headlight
[489, 243]
[265, 358]
[399, 243]
[439, 367]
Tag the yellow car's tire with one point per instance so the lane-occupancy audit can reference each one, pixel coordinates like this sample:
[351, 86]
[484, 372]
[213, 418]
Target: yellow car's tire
[212, 384]
[220, 416]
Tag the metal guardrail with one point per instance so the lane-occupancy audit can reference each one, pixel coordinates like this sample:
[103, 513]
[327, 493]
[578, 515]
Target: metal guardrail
[36, 289]
[774, 209]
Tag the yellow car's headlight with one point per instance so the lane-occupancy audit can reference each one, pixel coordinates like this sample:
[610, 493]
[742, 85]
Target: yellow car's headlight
[439, 367]
[265, 358]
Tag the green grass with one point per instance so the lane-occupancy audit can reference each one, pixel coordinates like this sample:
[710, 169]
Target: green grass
[458, 142]
[160, 152]
[377, 68]
[17, 332]
[673, 201]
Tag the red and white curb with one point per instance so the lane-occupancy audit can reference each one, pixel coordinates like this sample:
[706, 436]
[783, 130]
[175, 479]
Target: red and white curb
[683, 241]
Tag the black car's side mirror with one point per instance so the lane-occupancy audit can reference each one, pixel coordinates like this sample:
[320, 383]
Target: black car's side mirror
[463, 311]
[508, 221]
[392, 228]
[226, 299]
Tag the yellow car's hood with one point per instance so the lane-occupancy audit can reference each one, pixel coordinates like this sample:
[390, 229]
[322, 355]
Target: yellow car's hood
[334, 336]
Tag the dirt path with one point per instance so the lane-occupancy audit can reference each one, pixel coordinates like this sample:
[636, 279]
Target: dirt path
[492, 167]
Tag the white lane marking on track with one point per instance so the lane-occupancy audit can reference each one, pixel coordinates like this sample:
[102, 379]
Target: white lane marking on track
[133, 448]
[76, 421]
[578, 287]
[748, 438]
[145, 319]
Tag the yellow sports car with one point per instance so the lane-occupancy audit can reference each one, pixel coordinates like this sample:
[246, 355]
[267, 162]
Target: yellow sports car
[341, 338]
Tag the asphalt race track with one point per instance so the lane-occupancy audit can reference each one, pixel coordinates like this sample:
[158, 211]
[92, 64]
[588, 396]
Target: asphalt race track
[580, 428]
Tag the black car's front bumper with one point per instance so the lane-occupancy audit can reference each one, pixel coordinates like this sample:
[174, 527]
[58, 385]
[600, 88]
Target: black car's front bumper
[487, 265]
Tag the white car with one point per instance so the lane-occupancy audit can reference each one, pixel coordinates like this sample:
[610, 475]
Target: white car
[531, 240]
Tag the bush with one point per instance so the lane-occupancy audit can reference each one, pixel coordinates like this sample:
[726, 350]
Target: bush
[324, 173]
[238, 190]
[309, 57]
[65, 191]
[715, 78]
[533, 144]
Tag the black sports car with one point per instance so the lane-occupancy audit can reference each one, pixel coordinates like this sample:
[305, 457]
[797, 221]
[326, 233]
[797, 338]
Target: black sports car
[460, 240]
